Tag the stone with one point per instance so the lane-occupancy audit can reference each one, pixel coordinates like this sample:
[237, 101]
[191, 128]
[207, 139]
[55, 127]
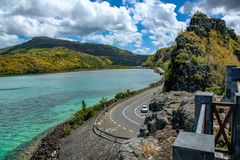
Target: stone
[138, 148]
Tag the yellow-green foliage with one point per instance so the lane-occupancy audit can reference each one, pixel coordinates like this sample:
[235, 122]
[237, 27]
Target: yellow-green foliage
[160, 59]
[49, 60]
[215, 51]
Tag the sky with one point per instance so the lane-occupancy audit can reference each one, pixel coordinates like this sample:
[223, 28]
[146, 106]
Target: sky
[141, 26]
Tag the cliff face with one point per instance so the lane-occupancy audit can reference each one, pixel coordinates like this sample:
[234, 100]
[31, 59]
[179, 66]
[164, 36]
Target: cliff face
[199, 58]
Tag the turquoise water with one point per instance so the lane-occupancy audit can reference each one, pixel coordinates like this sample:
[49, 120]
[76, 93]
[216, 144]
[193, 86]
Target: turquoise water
[29, 105]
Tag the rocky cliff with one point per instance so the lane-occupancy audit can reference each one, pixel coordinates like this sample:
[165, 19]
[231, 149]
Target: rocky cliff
[200, 55]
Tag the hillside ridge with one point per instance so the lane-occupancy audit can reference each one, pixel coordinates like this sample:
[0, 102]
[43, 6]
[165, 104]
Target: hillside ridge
[198, 59]
[116, 55]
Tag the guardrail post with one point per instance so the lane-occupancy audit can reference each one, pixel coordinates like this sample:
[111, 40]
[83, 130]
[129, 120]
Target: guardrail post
[228, 81]
[236, 128]
[207, 99]
[235, 75]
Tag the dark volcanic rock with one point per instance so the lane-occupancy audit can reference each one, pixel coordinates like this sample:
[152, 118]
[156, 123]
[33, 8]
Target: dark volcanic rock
[202, 25]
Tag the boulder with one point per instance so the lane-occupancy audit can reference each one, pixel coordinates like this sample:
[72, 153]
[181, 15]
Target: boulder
[137, 148]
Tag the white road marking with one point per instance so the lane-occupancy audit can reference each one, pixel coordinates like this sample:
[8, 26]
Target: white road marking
[124, 128]
[119, 125]
[123, 112]
[130, 131]
[139, 115]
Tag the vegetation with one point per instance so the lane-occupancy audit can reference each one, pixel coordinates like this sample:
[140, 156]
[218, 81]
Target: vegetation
[198, 60]
[49, 60]
[122, 95]
[87, 112]
[116, 55]
[215, 89]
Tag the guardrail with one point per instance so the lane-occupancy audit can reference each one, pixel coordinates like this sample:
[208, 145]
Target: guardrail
[106, 135]
[238, 86]
[201, 120]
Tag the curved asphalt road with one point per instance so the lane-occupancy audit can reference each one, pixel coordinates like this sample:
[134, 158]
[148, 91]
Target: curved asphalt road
[125, 118]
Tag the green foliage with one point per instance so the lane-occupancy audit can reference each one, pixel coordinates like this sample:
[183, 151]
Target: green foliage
[66, 130]
[198, 62]
[49, 60]
[84, 105]
[215, 89]
[117, 56]
[122, 95]
[221, 142]
[86, 113]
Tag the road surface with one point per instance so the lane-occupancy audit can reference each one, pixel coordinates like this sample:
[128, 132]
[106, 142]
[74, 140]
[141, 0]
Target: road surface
[125, 119]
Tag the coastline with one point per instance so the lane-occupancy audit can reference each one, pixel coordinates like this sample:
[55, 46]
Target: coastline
[53, 137]
[76, 70]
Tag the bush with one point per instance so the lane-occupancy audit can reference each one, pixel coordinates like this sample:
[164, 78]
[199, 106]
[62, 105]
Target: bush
[66, 130]
[215, 89]
[122, 95]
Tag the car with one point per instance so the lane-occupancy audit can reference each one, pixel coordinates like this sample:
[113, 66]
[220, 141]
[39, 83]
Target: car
[144, 108]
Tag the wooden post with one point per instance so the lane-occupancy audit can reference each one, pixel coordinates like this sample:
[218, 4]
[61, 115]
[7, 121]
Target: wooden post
[228, 81]
[236, 128]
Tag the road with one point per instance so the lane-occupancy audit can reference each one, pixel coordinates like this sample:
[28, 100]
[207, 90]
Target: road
[125, 119]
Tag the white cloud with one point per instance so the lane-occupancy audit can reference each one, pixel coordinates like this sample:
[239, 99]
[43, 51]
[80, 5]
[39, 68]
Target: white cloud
[228, 10]
[233, 21]
[121, 38]
[143, 51]
[8, 40]
[59, 18]
[160, 21]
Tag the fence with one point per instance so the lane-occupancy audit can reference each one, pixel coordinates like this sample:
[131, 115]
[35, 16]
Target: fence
[227, 120]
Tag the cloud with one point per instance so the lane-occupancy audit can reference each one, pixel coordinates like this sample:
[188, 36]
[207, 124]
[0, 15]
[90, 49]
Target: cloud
[160, 21]
[8, 40]
[143, 51]
[232, 20]
[121, 38]
[228, 10]
[211, 6]
[59, 18]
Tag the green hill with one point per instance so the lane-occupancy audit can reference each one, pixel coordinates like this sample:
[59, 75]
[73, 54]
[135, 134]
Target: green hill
[47, 60]
[116, 55]
[199, 58]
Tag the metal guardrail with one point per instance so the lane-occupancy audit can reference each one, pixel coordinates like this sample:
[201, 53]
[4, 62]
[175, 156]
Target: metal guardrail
[106, 135]
[201, 121]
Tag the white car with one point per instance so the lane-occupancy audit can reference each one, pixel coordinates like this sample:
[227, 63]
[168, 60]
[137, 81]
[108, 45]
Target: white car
[144, 108]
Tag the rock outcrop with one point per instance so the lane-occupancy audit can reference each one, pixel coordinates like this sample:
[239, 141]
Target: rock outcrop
[199, 58]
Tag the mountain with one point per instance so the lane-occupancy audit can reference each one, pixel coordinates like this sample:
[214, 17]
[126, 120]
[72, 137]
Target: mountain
[116, 55]
[199, 58]
[48, 60]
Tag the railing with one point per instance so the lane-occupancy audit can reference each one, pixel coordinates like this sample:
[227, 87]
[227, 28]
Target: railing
[106, 135]
[238, 86]
[224, 129]
[201, 121]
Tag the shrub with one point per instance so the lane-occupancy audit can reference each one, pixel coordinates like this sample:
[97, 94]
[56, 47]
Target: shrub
[215, 89]
[66, 130]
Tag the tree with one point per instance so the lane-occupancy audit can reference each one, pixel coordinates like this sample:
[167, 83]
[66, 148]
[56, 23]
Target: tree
[84, 105]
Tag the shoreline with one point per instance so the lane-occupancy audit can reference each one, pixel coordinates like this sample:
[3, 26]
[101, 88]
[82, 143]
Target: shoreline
[28, 149]
[76, 70]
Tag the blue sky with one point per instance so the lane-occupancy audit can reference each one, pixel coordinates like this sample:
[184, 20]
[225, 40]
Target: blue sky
[141, 26]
